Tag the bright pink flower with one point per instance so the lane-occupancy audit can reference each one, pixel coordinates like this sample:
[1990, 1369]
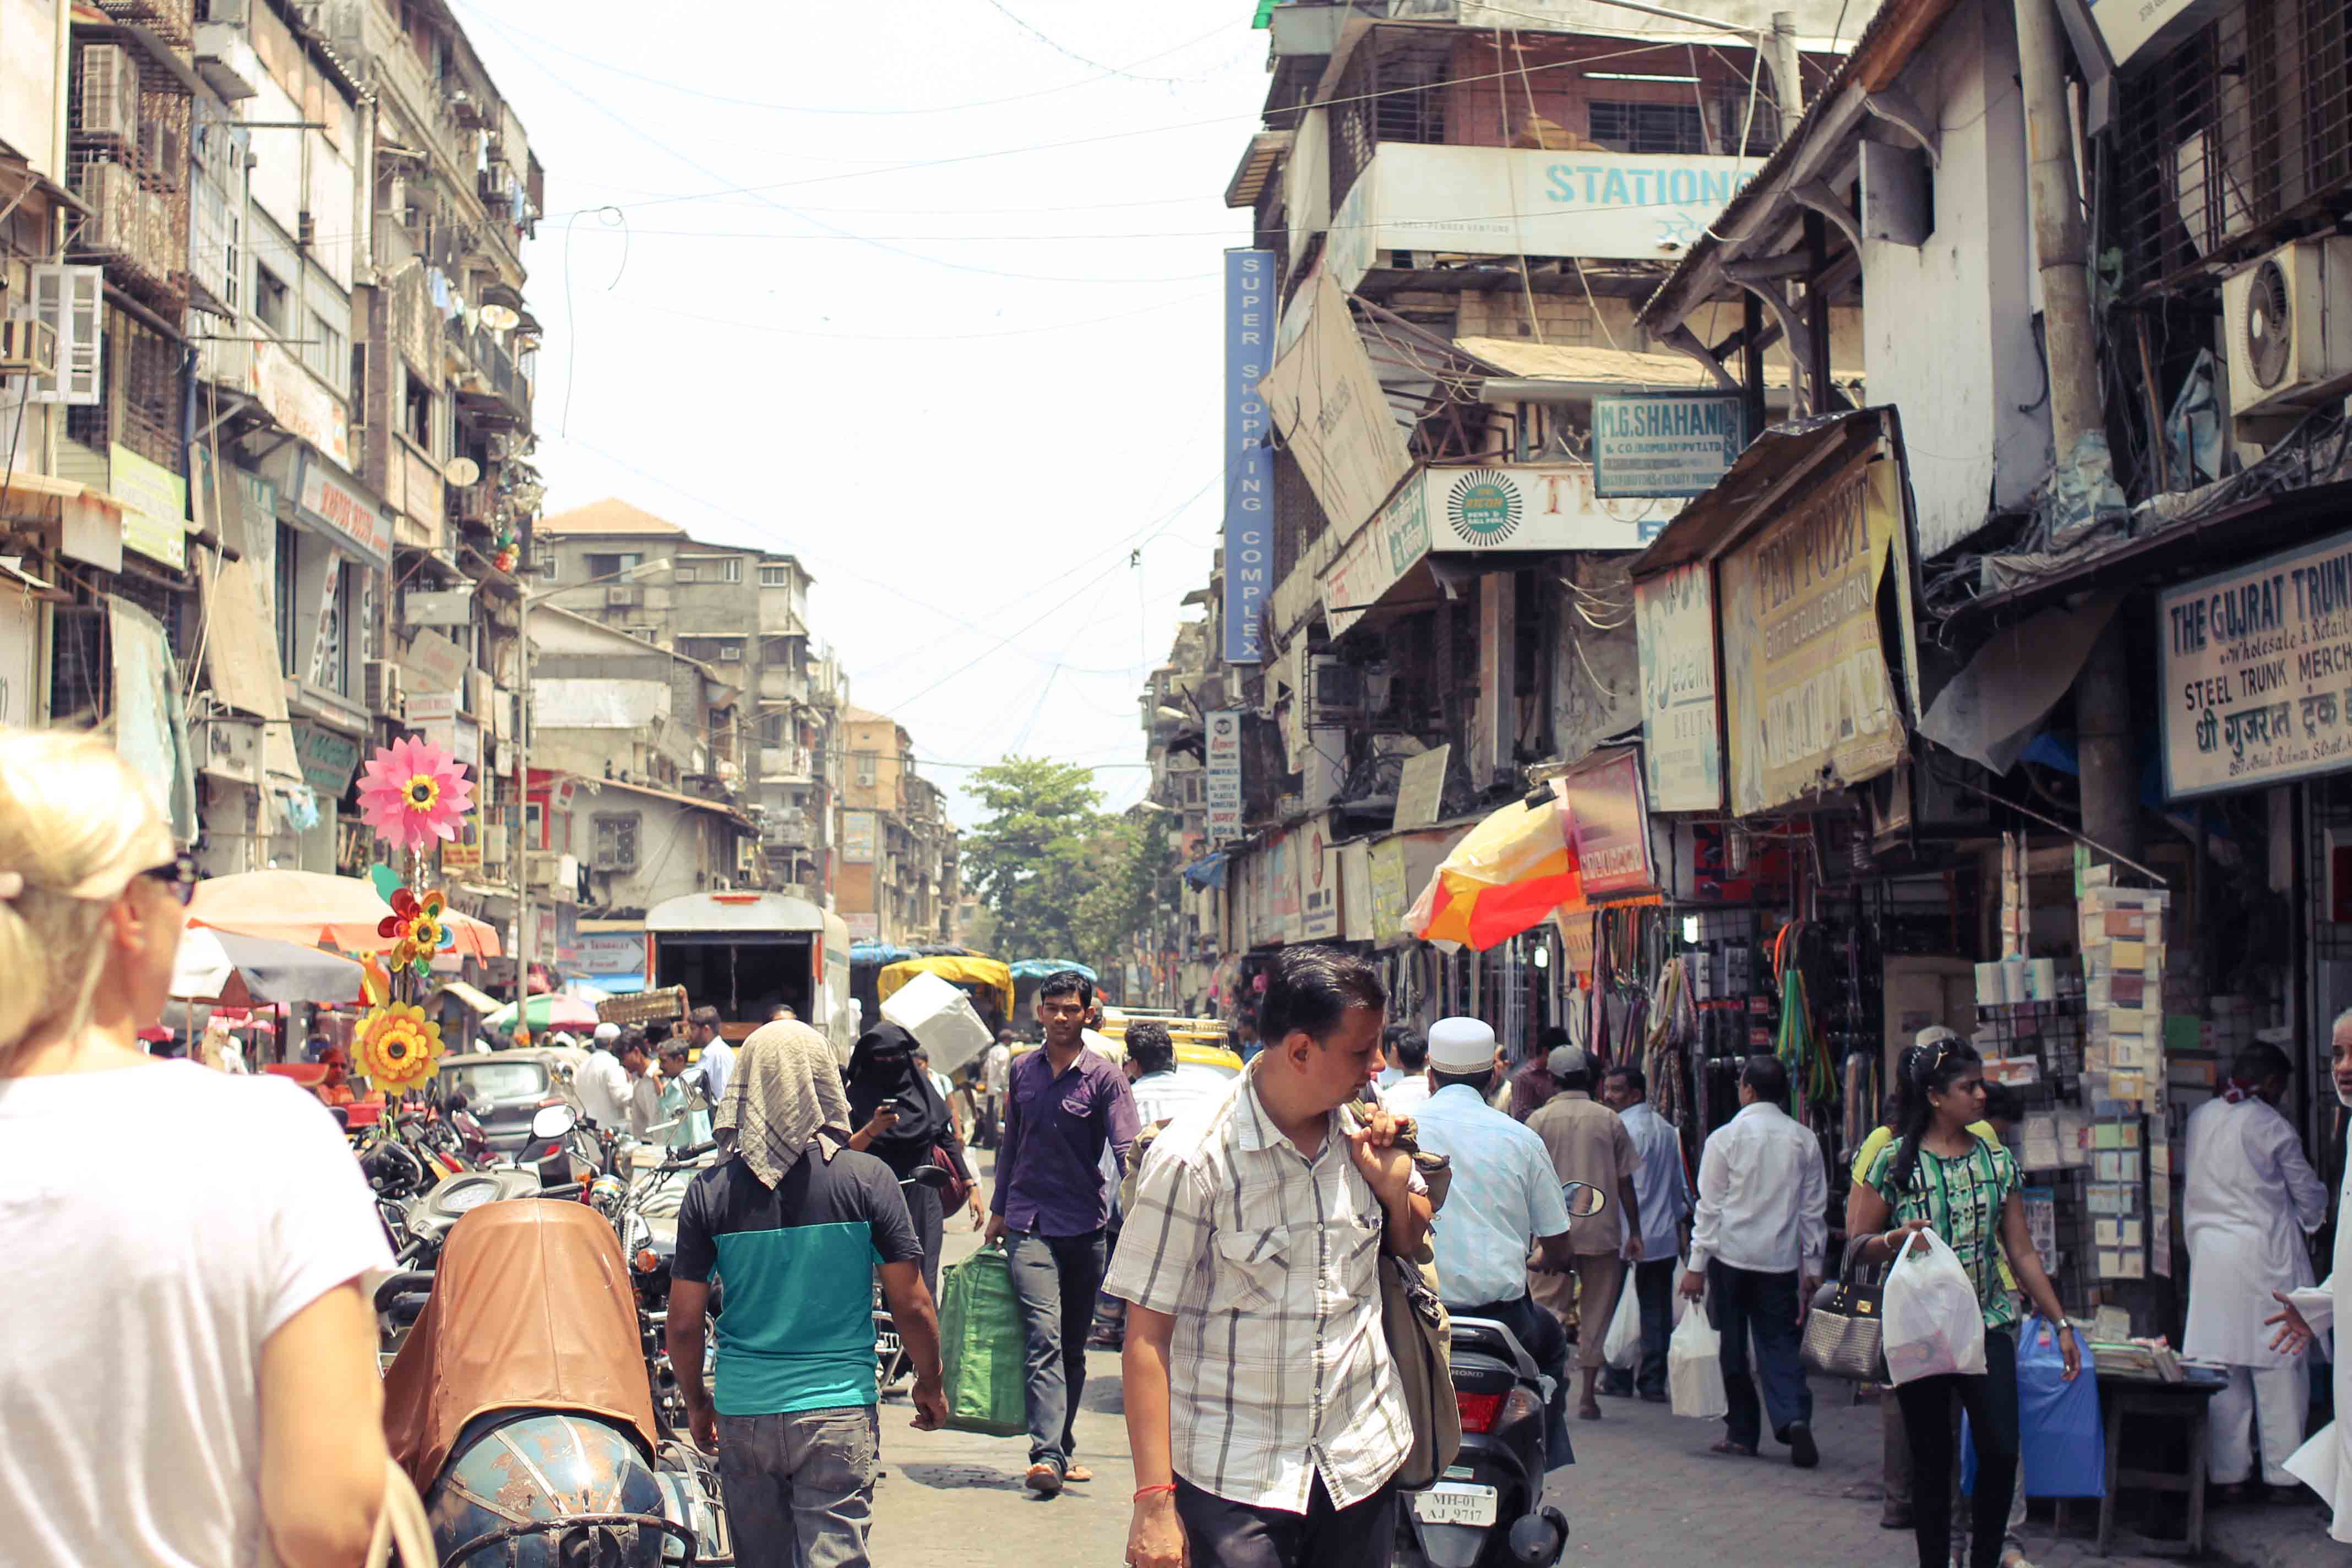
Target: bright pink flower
[412, 793]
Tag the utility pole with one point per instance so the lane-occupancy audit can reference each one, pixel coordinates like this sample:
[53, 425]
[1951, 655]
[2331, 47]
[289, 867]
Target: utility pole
[2103, 705]
[1788, 75]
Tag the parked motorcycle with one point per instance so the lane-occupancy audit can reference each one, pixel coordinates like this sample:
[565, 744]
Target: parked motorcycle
[565, 1401]
[1488, 1510]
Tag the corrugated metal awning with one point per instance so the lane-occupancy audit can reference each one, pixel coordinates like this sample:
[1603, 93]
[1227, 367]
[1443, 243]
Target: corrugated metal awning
[1257, 165]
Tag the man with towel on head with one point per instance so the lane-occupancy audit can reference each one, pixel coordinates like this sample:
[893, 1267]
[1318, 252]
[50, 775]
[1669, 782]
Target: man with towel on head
[794, 1221]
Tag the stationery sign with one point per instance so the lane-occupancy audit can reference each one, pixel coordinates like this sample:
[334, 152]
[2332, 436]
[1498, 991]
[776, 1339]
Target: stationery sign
[1249, 462]
[1681, 730]
[1225, 777]
[1664, 443]
[2257, 677]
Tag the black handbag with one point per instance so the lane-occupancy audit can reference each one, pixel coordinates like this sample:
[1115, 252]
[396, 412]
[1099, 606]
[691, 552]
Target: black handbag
[1845, 1331]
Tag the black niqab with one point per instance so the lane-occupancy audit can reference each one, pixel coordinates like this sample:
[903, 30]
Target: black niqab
[875, 1080]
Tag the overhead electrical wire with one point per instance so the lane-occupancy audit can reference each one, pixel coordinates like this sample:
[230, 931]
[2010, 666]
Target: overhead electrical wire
[1065, 51]
[1107, 72]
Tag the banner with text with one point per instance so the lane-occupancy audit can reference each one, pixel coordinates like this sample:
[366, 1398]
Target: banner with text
[2258, 672]
[1225, 777]
[1682, 738]
[1249, 462]
[1810, 704]
[1664, 443]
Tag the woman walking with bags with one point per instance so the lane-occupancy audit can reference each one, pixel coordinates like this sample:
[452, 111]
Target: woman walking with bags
[1938, 1175]
[901, 1120]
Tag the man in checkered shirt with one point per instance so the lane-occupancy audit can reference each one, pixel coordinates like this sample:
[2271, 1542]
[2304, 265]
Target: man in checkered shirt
[1264, 1412]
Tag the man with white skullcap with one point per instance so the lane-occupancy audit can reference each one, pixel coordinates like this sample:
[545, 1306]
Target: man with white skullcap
[1503, 1195]
[603, 1083]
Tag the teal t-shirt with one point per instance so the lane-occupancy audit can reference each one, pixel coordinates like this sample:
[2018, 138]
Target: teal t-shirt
[796, 1332]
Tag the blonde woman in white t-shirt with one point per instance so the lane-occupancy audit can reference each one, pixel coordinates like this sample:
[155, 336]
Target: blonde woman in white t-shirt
[189, 1377]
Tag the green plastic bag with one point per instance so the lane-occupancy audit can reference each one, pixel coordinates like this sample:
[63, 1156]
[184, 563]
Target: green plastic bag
[982, 1346]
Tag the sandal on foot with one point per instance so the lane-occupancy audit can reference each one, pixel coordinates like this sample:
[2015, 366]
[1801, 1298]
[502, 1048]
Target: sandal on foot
[1077, 1473]
[1731, 1449]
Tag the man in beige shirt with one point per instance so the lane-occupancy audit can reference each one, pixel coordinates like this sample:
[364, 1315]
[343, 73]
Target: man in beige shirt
[1588, 1143]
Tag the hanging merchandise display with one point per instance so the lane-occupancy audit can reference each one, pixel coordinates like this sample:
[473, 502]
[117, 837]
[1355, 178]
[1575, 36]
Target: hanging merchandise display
[1812, 1079]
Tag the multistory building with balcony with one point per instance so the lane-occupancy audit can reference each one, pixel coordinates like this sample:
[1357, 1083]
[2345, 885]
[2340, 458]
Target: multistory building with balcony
[900, 880]
[743, 614]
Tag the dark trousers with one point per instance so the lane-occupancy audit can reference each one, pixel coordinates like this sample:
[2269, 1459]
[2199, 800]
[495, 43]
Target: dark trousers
[923, 1206]
[1990, 1402]
[1540, 1334]
[1056, 1276]
[1224, 1534]
[1743, 1301]
[1654, 1292]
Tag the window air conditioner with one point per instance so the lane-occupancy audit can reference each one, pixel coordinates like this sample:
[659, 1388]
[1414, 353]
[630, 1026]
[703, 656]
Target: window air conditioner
[1335, 693]
[383, 693]
[624, 593]
[27, 347]
[2288, 319]
[110, 93]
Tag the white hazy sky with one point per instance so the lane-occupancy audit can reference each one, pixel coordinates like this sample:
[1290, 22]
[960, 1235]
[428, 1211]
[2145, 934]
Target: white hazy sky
[924, 292]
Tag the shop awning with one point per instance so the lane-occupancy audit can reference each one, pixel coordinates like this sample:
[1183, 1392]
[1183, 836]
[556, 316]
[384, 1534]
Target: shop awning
[1208, 871]
[1774, 464]
[478, 1000]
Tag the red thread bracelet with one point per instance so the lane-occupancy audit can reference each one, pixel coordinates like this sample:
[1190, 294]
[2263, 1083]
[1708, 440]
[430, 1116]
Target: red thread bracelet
[1143, 1492]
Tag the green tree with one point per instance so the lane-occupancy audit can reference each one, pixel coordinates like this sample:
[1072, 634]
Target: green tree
[1033, 860]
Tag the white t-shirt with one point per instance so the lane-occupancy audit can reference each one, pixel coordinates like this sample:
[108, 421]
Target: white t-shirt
[160, 1223]
[602, 1085]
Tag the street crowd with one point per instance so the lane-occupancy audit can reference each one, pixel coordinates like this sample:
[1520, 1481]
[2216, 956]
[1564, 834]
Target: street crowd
[204, 1389]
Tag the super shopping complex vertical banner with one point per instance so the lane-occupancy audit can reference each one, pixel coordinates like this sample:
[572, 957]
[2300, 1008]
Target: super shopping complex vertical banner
[1249, 462]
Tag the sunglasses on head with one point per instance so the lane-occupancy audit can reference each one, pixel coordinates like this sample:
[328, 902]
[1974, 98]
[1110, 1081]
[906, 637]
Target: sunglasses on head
[179, 876]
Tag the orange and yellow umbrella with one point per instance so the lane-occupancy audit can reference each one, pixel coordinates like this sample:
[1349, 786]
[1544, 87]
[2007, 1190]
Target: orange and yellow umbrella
[1507, 874]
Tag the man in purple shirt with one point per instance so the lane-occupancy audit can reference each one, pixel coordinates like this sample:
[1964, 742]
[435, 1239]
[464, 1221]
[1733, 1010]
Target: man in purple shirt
[1063, 1104]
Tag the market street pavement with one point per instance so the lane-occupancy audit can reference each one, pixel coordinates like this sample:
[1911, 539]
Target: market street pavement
[1643, 1490]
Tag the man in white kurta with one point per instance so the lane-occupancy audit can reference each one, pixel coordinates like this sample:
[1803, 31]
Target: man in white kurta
[2252, 1199]
[2325, 1463]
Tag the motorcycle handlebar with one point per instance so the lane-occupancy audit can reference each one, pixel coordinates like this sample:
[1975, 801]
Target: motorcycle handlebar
[400, 1284]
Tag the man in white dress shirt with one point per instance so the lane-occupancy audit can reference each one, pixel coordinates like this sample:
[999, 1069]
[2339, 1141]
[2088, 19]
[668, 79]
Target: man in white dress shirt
[1406, 1096]
[1505, 1193]
[1755, 1255]
[603, 1083]
[2251, 1201]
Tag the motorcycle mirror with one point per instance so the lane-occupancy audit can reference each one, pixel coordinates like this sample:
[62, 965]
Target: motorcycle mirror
[1583, 1199]
[931, 1176]
[553, 1121]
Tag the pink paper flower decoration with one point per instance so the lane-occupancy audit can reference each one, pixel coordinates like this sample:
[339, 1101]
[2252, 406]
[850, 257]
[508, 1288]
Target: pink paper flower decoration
[412, 793]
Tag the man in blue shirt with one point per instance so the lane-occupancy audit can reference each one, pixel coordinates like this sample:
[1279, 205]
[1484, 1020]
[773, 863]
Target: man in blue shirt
[1503, 1193]
[1063, 1105]
[796, 1222]
[1662, 1183]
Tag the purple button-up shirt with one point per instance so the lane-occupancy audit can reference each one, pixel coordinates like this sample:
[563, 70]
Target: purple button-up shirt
[1049, 1175]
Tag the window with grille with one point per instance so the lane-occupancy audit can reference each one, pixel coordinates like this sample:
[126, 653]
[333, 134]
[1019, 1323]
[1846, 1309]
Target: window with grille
[327, 352]
[2238, 139]
[616, 841]
[140, 394]
[1649, 127]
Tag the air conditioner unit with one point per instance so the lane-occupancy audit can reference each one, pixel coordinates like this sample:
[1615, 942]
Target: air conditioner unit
[110, 93]
[384, 694]
[624, 594]
[2288, 319]
[27, 347]
[1335, 691]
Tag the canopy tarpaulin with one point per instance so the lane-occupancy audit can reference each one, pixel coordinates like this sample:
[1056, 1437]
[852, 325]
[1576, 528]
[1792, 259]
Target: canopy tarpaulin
[314, 909]
[879, 953]
[1038, 968]
[984, 972]
[1508, 873]
[246, 970]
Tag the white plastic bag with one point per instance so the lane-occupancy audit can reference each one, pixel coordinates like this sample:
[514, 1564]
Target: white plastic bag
[1694, 1368]
[1934, 1324]
[1622, 1347]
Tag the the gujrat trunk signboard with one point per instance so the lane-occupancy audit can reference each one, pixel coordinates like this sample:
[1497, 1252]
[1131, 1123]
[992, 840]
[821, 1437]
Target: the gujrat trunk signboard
[1810, 704]
[2258, 672]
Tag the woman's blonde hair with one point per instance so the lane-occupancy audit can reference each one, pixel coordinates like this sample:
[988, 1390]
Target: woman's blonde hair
[75, 825]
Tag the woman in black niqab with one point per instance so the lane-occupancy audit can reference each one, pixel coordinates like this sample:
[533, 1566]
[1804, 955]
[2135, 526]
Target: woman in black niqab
[882, 1076]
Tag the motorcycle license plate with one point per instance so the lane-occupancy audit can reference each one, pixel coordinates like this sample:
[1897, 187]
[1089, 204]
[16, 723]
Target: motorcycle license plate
[1450, 1502]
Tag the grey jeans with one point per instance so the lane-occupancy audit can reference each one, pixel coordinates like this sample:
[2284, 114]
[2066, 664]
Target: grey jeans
[798, 1489]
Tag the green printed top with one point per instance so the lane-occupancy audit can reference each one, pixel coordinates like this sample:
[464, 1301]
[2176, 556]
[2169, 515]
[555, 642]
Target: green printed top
[1961, 1198]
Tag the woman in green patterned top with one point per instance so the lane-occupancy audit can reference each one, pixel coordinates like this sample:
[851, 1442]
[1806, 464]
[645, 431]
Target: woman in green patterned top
[1939, 1175]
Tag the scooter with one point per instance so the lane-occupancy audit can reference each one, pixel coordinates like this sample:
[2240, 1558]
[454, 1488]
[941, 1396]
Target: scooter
[1488, 1510]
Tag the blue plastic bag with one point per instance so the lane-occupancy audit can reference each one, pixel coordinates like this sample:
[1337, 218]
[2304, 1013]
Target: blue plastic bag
[2059, 1436]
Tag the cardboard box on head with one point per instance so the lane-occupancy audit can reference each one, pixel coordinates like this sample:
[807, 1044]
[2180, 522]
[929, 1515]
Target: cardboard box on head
[941, 1016]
